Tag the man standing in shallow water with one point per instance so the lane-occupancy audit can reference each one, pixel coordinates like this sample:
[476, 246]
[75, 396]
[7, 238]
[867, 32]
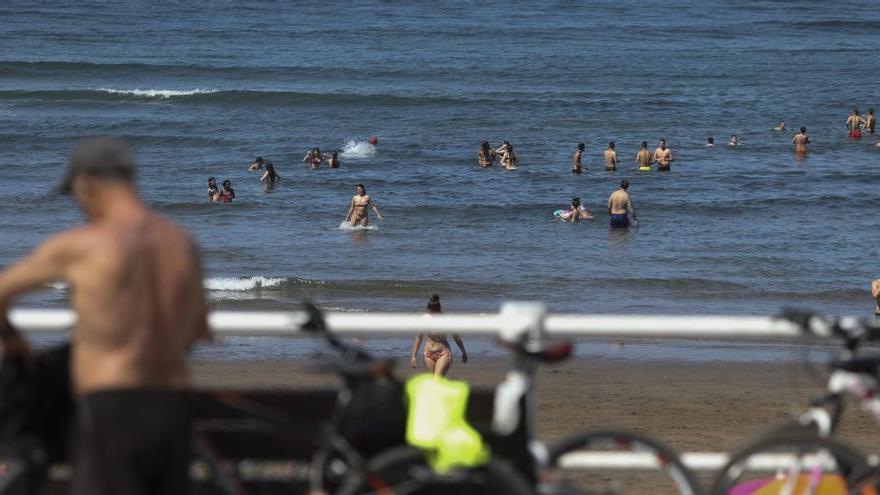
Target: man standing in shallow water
[136, 287]
[610, 158]
[576, 165]
[801, 140]
[663, 157]
[620, 207]
[854, 124]
[643, 158]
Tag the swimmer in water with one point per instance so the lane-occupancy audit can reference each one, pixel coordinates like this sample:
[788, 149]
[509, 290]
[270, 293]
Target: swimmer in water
[314, 158]
[576, 165]
[620, 207]
[663, 157]
[485, 155]
[357, 215]
[270, 177]
[733, 141]
[643, 157]
[334, 162]
[227, 194]
[780, 127]
[801, 140]
[854, 125]
[710, 142]
[875, 293]
[610, 158]
[438, 352]
[878, 143]
[508, 157]
[213, 190]
[501, 149]
[257, 165]
[576, 212]
[870, 121]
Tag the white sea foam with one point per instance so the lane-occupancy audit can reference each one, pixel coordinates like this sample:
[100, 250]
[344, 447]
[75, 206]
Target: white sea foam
[358, 149]
[242, 283]
[59, 285]
[157, 93]
[344, 225]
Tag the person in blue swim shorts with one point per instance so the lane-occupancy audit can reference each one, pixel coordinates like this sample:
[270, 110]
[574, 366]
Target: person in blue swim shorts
[620, 207]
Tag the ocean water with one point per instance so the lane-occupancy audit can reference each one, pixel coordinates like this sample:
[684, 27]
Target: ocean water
[200, 89]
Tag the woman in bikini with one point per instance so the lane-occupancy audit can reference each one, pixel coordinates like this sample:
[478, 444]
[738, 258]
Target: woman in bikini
[227, 194]
[269, 177]
[357, 212]
[314, 158]
[438, 353]
[508, 158]
[486, 155]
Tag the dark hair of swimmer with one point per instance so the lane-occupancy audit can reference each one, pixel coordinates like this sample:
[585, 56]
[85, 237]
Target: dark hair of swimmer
[335, 153]
[662, 141]
[803, 129]
[710, 140]
[259, 159]
[212, 180]
[361, 186]
[611, 144]
[575, 202]
[506, 143]
[624, 184]
[484, 147]
[645, 144]
[870, 111]
[434, 304]
[270, 168]
[227, 183]
[581, 146]
[855, 111]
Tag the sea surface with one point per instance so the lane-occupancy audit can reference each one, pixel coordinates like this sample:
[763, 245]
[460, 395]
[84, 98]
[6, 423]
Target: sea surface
[201, 88]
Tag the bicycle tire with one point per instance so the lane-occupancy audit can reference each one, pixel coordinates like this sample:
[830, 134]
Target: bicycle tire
[851, 464]
[404, 471]
[682, 479]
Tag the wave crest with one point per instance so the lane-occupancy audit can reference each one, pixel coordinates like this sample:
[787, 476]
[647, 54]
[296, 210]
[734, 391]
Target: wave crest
[240, 284]
[157, 93]
[358, 149]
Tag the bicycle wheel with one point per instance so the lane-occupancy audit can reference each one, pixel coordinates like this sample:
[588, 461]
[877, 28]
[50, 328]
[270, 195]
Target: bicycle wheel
[614, 461]
[404, 471]
[796, 464]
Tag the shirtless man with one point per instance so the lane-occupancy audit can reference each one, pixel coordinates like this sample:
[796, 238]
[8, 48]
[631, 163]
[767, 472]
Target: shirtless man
[870, 121]
[610, 158]
[136, 287]
[357, 212]
[576, 165]
[257, 165]
[643, 158]
[854, 124]
[801, 140]
[662, 157]
[620, 207]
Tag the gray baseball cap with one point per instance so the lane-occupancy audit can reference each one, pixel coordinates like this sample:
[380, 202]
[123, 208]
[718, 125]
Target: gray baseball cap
[102, 157]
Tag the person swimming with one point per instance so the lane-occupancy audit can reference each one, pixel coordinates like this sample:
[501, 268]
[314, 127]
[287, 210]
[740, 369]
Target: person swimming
[733, 140]
[257, 165]
[780, 127]
[485, 155]
[643, 157]
[576, 165]
[213, 190]
[610, 158]
[314, 158]
[270, 177]
[575, 212]
[710, 142]
[227, 194]
[508, 157]
[870, 121]
[357, 215]
[801, 140]
[438, 352]
[854, 125]
[334, 162]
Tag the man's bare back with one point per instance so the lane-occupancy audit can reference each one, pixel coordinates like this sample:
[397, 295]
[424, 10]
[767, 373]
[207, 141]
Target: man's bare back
[618, 202]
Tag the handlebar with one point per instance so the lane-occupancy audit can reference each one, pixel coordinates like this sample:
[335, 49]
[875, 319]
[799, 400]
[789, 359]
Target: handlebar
[853, 331]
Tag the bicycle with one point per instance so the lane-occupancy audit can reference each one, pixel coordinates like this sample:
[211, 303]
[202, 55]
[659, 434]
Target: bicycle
[801, 454]
[368, 416]
[512, 438]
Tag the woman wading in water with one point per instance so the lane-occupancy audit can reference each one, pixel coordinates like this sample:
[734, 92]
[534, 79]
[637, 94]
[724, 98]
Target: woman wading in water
[438, 353]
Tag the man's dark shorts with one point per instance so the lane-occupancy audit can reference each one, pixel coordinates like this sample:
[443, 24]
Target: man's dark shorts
[619, 221]
[132, 442]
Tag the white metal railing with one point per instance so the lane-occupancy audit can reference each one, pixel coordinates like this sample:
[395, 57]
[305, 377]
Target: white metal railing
[508, 321]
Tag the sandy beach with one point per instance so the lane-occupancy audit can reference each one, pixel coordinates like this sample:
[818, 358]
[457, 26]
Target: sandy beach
[690, 406]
